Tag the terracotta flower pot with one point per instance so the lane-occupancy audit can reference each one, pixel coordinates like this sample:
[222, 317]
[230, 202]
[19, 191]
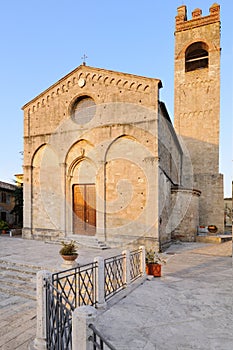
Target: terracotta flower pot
[70, 257]
[153, 269]
[212, 228]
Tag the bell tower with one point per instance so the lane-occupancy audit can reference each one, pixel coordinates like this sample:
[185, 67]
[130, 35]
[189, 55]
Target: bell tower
[197, 104]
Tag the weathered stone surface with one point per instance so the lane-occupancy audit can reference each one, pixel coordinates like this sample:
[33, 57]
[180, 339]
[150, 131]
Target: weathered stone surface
[183, 309]
[124, 145]
[189, 307]
[197, 108]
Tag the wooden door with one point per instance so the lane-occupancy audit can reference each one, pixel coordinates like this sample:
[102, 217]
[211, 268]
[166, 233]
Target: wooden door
[84, 209]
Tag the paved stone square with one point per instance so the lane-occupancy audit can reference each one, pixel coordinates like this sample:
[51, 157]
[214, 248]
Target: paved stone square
[189, 307]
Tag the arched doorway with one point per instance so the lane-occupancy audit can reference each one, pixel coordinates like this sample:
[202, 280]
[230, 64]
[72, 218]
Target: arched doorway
[82, 188]
[84, 209]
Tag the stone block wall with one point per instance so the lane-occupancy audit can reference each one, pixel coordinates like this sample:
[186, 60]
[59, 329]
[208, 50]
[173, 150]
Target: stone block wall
[197, 107]
[185, 214]
[117, 149]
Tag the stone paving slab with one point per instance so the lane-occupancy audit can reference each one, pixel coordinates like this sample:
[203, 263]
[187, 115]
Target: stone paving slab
[189, 307]
[17, 322]
[224, 249]
[44, 255]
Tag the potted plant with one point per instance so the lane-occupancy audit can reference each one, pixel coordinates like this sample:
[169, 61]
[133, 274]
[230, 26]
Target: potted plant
[212, 228]
[4, 226]
[154, 263]
[69, 251]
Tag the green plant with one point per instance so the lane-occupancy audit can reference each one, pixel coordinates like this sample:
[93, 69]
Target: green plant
[69, 248]
[153, 257]
[4, 225]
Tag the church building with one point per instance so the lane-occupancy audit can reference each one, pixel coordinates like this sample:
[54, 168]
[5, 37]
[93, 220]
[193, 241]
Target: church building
[103, 163]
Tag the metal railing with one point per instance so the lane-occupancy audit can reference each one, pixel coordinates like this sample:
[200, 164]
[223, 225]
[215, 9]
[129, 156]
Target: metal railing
[77, 287]
[78, 284]
[58, 319]
[135, 265]
[113, 273]
[98, 341]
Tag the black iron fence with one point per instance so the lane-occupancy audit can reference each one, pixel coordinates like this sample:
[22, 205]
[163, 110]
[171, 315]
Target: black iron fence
[77, 287]
[98, 341]
[78, 284]
[135, 265]
[58, 319]
[113, 275]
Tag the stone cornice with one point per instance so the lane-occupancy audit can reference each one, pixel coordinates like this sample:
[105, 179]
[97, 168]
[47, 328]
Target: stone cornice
[93, 75]
[178, 189]
[7, 186]
[196, 22]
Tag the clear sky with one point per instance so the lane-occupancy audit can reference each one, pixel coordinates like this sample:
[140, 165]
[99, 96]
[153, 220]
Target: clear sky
[43, 40]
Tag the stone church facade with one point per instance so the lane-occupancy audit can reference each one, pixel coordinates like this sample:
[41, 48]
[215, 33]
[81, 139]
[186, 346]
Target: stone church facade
[103, 162]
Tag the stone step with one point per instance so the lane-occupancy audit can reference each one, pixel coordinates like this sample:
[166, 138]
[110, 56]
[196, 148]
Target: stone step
[15, 290]
[19, 267]
[18, 283]
[85, 241]
[21, 276]
[18, 279]
[214, 239]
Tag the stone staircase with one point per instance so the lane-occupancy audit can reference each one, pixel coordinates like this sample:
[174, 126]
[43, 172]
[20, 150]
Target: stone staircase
[84, 241]
[18, 279]
[91, 242]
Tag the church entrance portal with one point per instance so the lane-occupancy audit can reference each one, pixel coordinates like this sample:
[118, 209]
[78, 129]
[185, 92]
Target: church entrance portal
[84, 209]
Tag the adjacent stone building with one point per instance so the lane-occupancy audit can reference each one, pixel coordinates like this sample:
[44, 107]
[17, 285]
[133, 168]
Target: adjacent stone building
[103, 162]
[7, 202]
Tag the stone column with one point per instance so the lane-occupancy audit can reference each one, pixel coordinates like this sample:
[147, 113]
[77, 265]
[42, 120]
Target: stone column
[100, 202]
[63, 197]
[27, 194]
[143, 260]
[39, 342]
[69, 264]
[100, 282]
[81, 318]
[126, 267]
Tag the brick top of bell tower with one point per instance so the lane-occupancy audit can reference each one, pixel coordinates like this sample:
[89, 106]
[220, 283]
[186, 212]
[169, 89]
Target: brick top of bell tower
[182, 23]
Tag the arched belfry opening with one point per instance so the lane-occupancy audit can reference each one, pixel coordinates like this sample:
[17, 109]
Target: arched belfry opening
[196, 56]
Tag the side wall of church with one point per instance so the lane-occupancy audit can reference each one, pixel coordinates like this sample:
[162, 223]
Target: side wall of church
[170, 171]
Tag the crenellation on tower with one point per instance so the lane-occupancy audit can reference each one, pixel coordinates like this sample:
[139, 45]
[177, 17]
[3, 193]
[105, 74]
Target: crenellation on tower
[197, 13]
[181, 14]
[183, 23]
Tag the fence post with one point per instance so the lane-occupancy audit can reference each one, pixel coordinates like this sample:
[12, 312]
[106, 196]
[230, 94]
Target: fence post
[100, 283]
[126, 267]
[81, 318]
[143, 260]
[39, 342]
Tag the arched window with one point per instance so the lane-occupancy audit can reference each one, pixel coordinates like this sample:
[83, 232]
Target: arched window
[196, 56]
[83, 110]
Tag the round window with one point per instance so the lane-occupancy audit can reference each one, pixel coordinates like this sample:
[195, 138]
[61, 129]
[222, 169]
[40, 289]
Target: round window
[83, 110]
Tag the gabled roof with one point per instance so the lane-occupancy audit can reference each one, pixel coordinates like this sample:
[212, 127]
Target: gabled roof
[86, 69]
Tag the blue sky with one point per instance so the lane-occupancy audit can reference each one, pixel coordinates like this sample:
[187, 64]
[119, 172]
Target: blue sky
[41, 41]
